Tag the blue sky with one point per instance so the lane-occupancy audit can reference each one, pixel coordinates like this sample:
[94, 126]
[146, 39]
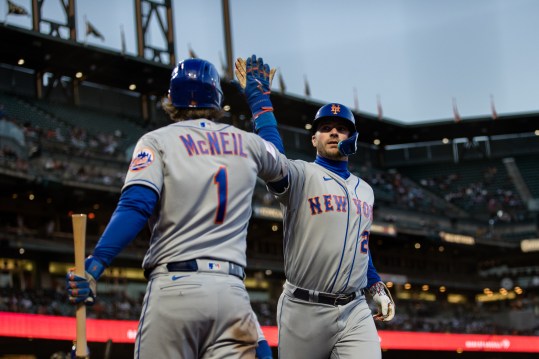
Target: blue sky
[415, 55]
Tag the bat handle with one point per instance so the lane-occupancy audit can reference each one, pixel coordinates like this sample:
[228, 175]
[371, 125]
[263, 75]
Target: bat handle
[74, 354]
[79, 237]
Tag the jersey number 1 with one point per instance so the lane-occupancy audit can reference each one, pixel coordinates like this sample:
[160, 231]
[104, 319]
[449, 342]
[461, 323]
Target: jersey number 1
[221, 180]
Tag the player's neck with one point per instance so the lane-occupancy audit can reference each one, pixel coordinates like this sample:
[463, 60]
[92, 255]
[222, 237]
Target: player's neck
[338, 167]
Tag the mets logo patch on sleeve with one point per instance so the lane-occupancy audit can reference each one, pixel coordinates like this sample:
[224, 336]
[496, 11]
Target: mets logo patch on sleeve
[142, 159]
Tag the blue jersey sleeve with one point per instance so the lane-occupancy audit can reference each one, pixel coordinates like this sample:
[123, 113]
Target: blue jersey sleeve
[372, 274]
[266, 127]
[135, 206]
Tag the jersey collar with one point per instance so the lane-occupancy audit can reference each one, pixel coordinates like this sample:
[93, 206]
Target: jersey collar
[338, 167]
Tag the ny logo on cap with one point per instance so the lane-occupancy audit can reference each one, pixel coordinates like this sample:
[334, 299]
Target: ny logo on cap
[335, 109]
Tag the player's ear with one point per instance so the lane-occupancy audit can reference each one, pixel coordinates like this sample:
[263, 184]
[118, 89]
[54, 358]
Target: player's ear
[314, 141]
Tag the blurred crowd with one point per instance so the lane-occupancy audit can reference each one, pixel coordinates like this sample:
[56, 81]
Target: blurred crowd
[78, 140]
[499, 201]
[117, 305]
[48, 154]
[45, 148]
[465, 318]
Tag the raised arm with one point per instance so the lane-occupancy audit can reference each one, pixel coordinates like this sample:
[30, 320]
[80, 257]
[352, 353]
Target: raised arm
[255, 77]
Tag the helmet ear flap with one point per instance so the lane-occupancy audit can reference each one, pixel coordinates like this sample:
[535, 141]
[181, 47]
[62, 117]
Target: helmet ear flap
[195, 83]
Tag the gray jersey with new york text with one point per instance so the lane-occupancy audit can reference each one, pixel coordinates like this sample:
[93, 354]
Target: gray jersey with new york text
[205, 174]
[327, 221]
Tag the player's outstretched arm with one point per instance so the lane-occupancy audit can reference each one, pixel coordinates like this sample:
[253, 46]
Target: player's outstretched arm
[135, 207]
[255, 78]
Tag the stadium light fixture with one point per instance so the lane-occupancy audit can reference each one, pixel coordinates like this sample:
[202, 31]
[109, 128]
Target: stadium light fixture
[457, 238]
[407, 286]
[529, 245]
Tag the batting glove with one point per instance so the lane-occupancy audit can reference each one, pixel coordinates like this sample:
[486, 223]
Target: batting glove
[84, 289]
[349, 146]
[382, 297]
[256, 77]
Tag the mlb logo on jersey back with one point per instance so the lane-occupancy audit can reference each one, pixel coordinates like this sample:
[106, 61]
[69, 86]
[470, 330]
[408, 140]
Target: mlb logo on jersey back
[214, 266]
[142, 159]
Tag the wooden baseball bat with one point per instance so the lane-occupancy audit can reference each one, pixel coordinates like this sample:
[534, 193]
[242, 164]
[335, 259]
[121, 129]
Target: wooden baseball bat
[79, 237]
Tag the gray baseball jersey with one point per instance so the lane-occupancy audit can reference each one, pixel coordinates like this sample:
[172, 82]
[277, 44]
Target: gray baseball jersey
[326, 229]
[326, 250]
[205, 173]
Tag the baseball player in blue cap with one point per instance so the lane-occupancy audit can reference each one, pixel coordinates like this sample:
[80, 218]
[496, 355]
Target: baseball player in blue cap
[328, 211]
[193, 181]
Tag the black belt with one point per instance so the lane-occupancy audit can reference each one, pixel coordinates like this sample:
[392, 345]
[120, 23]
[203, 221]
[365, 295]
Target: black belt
[324, 298]
[192, 266]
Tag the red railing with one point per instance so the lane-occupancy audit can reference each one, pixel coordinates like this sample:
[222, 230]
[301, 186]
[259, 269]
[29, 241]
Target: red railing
[124, 331]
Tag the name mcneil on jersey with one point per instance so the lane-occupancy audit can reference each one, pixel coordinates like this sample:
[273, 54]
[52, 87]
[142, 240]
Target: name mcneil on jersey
[337, 203]
[215, 144]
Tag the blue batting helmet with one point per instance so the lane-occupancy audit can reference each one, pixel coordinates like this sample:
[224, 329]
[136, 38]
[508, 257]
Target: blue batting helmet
[195, 83]
[335, 110]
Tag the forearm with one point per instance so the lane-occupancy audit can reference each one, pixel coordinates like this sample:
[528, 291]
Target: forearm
[372, 274]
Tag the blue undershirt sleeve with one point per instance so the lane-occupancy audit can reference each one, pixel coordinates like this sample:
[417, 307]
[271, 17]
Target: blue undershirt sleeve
[266, 127]
[372, 274]
[135, 206]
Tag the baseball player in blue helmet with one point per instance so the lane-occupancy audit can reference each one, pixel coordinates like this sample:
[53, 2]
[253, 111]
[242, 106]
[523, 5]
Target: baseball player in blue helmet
[328, 211]
[192, 182]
